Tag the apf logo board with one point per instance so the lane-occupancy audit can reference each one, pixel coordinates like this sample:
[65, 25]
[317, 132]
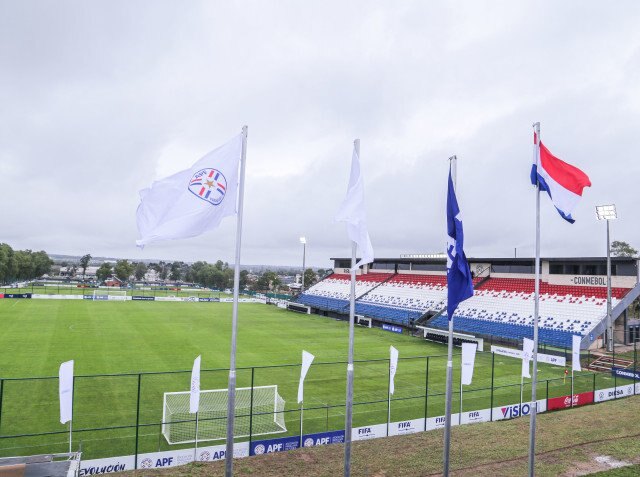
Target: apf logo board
[209, 185]
[323, 438]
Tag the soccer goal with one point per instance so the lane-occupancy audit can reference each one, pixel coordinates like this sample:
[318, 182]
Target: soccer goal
[102, 294]
[179, 426]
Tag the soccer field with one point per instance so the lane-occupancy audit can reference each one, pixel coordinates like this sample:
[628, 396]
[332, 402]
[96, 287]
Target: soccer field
[122, 339]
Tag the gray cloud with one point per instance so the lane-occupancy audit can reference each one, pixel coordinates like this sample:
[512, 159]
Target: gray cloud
[101, 98]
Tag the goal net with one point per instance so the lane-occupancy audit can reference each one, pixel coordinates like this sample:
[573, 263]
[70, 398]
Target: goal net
[103, 294]
[179, 426]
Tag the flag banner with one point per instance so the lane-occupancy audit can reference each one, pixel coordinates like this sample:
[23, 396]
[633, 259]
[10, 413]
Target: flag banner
[393, 366]
[307, 359]
[468, 362]
[352, 211]
[192, 201]
[459, 281]
[194, 396]
[65, 388]
[563, 182]
[575, 354]
[527, 354]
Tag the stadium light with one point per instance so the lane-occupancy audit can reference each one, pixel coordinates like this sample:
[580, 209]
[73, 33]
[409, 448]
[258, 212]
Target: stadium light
[303, 241]
[608, 213]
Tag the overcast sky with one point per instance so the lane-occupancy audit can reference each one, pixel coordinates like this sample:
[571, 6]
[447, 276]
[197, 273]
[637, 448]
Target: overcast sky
[100, 98]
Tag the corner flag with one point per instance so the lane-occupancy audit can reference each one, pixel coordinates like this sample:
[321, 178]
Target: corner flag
[192, 201]
[459, 281]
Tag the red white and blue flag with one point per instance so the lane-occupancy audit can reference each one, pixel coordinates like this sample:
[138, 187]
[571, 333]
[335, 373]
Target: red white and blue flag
[563, 182]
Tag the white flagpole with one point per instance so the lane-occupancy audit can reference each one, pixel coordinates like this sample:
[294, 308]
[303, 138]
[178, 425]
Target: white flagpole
[71, 421]
[536, 310]
[348, 414]
[234, 323]
[195, 450]
[460, 413]
[449, 392]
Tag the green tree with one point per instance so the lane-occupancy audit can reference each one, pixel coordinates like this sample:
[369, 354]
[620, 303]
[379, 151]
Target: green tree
[176, 271]
[41, 263]
[268, 281]
[84, 263]
[123, 270]
[622, 249]
[140, 270]
[310, 278]
[244, 279]
[104, 271]
[6, 263]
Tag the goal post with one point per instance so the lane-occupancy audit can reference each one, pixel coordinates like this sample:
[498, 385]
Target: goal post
[105, 294]
[179, 426]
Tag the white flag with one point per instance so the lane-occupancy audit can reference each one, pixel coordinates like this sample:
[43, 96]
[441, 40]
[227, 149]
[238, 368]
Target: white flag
[194, 396]
[468, 362]
[527, 355]
[65, 388]
[575, 355]
[307, 359]
[192, 201]
[393, 365]
[353, 212]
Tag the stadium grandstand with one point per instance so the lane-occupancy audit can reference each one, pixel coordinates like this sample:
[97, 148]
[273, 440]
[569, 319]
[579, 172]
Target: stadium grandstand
[412, 292]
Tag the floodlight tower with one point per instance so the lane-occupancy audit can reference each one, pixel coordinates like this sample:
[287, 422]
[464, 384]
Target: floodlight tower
[608, 213]
[303, 241]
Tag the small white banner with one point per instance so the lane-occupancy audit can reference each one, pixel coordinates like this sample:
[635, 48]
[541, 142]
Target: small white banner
[406, 427]
[393, 366]
[527, 353]
[438, 422]
[368, 432]
[471, 417]
[468, 360]
[575, 353]
[307, 359]
[194, 396]
[65, 389]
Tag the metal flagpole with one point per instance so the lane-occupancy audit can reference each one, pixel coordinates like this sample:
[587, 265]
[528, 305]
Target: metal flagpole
[301, 418]
[536, 309]
[231, 404]
[348, 414]
[447, 412]
[389, 398]
[195, 450]
[460, 413]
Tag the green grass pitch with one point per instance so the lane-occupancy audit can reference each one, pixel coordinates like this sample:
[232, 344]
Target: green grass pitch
[112, 338]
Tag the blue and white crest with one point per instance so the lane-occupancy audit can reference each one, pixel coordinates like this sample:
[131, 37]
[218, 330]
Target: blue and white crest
[209, 185]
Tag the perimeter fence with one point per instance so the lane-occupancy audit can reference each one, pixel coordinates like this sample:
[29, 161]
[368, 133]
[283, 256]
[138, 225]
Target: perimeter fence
[122, 414]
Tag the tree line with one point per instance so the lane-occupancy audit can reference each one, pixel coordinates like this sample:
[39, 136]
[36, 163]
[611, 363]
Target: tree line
[22, 264]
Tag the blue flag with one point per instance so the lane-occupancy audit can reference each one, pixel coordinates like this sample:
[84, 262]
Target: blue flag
[459, 281]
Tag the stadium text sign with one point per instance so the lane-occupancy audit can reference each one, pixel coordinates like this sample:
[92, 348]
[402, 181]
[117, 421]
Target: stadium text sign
[392, 328]
[626, 373]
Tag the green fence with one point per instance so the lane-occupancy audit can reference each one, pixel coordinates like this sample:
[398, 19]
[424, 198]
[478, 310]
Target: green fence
[123, 414]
